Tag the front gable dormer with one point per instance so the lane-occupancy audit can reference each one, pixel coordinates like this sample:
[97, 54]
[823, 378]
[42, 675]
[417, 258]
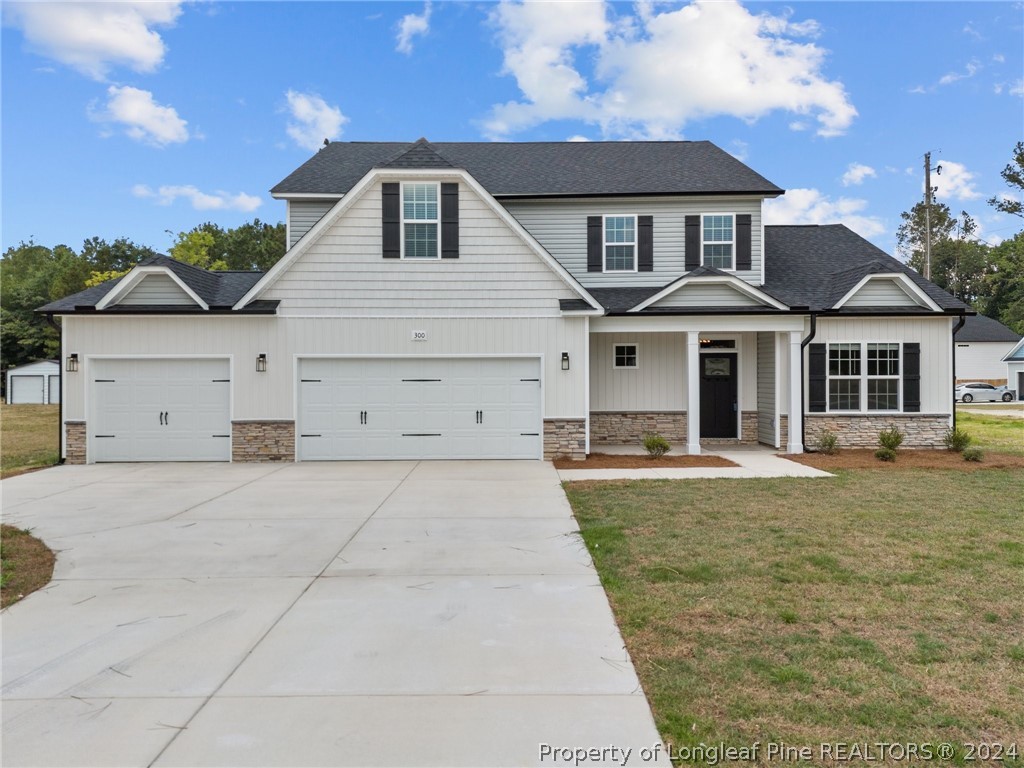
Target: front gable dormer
[707, 288]
[151, 286]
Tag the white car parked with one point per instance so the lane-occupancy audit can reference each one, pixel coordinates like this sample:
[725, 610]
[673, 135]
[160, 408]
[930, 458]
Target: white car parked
[979, 392]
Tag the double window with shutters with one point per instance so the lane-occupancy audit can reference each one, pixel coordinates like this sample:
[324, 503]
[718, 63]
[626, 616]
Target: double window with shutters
[864, 377]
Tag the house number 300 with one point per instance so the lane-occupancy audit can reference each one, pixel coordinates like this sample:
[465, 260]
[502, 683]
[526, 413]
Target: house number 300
[419, 335]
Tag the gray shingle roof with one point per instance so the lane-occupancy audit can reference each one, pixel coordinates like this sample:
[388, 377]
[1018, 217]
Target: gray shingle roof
[528, 169]
[220, 290]
[981, 328]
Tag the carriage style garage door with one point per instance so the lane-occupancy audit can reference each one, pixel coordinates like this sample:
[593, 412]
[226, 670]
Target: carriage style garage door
[423, 408]
[160, 410]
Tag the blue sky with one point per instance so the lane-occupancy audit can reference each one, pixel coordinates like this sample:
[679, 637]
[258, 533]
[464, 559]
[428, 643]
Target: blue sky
[138, 118]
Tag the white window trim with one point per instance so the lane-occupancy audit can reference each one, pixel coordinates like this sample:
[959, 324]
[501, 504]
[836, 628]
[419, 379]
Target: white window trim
[863, 378]
[732, 243]
[636, 355]
[605, 244]
[436, 222]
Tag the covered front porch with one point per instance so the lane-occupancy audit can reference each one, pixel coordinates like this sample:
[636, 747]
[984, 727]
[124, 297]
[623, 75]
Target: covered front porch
[697, 380]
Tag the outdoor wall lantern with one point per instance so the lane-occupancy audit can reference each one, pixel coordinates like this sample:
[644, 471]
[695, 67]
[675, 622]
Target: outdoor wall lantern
[261, 362]
[565, 361]
[72, 363]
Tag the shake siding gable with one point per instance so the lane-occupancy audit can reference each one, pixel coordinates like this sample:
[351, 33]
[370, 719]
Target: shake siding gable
[342, 272]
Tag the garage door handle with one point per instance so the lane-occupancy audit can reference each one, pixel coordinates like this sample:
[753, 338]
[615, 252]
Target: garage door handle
[479, 417]
[161, 418]
[167, 418]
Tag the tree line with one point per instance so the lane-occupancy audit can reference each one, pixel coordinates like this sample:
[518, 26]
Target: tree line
[32, 275]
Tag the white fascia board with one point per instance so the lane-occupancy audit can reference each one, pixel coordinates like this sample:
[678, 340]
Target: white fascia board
[136, 276]
[697, 323]
[306, 196]
[1012, 352]
[583, 313]
[397, 174]
[907, 285]
[733, 282]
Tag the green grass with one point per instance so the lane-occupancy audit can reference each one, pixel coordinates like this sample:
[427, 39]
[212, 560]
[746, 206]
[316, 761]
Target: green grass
[878, 605]
[1003, 434]
[28, 437]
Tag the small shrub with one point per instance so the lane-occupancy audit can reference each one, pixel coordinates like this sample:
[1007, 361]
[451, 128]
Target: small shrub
[885, 454]
[890, 438]
[972, 454]
[956, 440]
[828, 442]
[656, 445]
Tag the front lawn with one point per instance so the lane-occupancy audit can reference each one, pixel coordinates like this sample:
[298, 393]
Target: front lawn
[26, 564]
[991, 432]
[879, 605]
[28, 437]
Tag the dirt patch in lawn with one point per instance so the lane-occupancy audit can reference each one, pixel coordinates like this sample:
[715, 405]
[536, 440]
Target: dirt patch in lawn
[26, 564]
[864, 458]
[622, 461]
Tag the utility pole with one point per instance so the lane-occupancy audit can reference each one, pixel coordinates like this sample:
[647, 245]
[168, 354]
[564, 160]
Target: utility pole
[927, 215]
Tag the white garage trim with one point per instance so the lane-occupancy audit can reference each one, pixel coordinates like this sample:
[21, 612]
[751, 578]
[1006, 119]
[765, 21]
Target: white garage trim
[298, 358]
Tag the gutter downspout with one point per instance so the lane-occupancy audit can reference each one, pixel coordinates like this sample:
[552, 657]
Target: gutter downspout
[60, 363]
[803, 378]
[959, 325]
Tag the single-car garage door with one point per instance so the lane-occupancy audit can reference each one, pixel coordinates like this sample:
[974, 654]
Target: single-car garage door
[160, 410]
[420, 408]
[26, 389]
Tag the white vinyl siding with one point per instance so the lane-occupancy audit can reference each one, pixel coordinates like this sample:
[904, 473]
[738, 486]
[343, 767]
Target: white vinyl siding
[271, 395]
[157, 290]
[303, 214]
[982, 360]
[766, 388]
[933, 334]
[707, 295]
[881, 293]
[343, 271]
[561, 227]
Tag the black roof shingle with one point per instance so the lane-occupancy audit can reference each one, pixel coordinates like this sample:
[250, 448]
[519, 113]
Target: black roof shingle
[981, 328]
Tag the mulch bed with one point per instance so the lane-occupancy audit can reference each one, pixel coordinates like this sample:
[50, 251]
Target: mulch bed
[620, 461]
[864, 458]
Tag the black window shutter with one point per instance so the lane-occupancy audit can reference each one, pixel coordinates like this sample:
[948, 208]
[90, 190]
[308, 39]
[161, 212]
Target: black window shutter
[449, 221]
[742, 241]
[692, 246]
[817, 394]
[912, 378]
[391, 221]
[645, 243]
[595, 244]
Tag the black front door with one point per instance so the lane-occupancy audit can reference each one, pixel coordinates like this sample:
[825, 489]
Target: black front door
[718, 390]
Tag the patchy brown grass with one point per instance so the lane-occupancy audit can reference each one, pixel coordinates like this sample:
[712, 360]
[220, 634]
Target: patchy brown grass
[26, 564]
[864, 458]
[28, 437]
[879, 605]
[617, 461]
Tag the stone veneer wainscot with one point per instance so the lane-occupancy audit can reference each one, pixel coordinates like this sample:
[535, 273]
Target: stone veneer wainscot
[565, 438]
[262, 441]
[74, 442]
[920, 430]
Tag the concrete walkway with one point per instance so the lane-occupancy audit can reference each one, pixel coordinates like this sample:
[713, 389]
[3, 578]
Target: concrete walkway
[393, 613]
[752, 463]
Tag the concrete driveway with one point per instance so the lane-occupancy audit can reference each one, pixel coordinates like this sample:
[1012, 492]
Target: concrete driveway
[392, 613]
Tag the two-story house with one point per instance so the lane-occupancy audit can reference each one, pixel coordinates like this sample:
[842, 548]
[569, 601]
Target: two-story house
[518, 300]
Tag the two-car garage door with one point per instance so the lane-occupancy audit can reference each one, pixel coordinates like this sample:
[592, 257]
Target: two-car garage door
[419, 408]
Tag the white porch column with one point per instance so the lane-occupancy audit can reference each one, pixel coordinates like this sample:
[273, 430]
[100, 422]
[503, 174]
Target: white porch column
[794, 442]
[693, 393]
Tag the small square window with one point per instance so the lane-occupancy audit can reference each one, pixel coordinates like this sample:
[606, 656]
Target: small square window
[625, 356]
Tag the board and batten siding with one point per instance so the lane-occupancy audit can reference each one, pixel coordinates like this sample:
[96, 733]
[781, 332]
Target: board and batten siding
[658, 383]
[303, 214]
[561, 227]
[766, 392]
[271, 394]
[159, 290]
[934, 334]
[880, 293]
[343, 271]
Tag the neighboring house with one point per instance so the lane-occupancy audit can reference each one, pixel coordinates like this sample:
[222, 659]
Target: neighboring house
[981, 346]
[37, 383]
[512, 300]
[1015, 369]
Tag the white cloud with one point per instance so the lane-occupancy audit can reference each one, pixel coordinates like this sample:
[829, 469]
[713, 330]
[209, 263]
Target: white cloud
[972, 68]
[313, 120]
[1017, 88]
[954, 182]
[577, 137]
[412, 25]
[856, 173]
[998, 58]
[660, 69]
[94, 37]
[142, 118]
[810, 206]
[201, 201]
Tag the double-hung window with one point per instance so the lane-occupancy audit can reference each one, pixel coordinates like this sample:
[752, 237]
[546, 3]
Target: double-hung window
[864, 377]
[420, 221]
[620, 243]
[718, 240]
